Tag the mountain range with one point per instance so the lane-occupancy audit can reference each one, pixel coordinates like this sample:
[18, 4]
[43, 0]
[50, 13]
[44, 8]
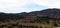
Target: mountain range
[54, 12]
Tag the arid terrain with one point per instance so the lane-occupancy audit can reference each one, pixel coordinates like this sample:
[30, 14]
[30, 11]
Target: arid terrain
[48, 18]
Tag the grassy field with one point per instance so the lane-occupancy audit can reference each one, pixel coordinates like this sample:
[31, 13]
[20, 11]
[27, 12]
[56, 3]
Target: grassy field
[37, 24]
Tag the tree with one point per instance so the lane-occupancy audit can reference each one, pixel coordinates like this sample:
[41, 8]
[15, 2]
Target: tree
[42, 19]
[55, 24]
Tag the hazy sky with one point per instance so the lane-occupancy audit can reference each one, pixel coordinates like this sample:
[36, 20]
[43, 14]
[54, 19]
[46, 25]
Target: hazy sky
[16, 6]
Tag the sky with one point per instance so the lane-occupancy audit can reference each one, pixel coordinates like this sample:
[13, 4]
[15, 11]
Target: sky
[17, 6]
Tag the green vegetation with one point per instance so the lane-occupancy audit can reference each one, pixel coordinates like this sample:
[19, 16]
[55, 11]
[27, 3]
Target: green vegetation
[42, 19]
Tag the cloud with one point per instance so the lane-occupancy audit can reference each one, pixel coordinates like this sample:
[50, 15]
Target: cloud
[48, 3]
[16, 6]
[11, 3]
[33, 6]
[25, 8]
[28, 8]
[18, 10]
[19, 3]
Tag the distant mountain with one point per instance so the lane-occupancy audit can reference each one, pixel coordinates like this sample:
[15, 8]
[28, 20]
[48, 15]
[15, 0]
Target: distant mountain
[47, 12]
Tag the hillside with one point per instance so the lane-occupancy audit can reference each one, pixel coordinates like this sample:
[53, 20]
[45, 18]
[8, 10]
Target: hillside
[44, 17]
[47, 12]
